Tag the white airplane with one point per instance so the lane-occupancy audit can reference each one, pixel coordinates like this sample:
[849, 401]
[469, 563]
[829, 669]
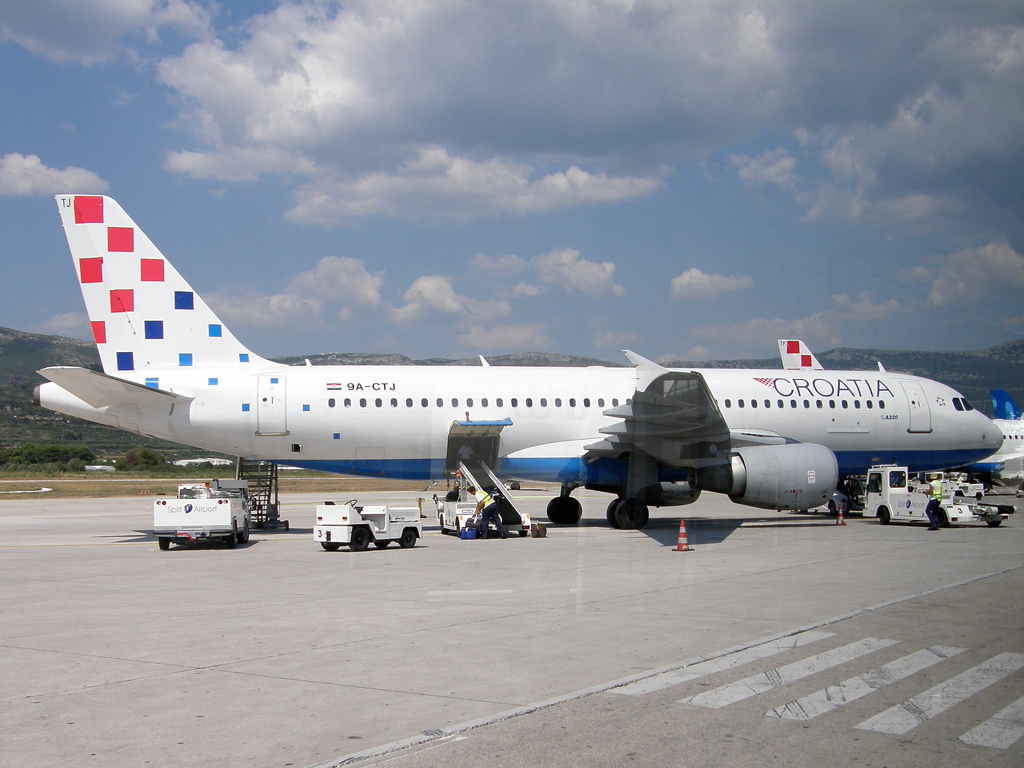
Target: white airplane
[1010, 422]
[649, 435]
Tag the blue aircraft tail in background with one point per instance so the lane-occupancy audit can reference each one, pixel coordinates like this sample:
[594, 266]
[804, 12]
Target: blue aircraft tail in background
[1003, 405]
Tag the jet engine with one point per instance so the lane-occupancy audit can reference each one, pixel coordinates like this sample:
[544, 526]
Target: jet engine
[791, 476]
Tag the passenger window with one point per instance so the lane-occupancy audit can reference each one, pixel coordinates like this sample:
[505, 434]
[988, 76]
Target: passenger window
[483, 402]
[615, 402]
[362, 402]
[586, 402]
[440, 403]
[572, 402]
[767, 403]
[728, 403]
[498, 402]
[423, 402]
[558, 402]
[739, 403]
[856, 404]
[845, 404]
[781, 404]
[394, 402]
[330, 403]
[543, 402]
[874, 483]
[831, 403]
[529, 402]
[897, 479]
[408, 402]
[378, 402]
[469, 402]
[455, 402]
[348, 403]
[792, 403]
[515, 402]
[881, 404]
[753, 403]
[869, 404]
[818, 403]
[600, 402]
[807, 403]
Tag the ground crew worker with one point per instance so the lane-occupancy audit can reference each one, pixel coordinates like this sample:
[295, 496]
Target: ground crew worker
[487, 508]
[933, 489]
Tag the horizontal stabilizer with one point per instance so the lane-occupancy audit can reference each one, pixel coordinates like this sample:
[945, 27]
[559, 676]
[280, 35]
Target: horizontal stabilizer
[100, 390]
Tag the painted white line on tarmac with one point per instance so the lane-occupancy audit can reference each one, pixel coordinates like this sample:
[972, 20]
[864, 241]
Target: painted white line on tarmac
[776, 678]
[835, 696]
[923, 707]
[498, 717]
[722, 663]
[1000, 731]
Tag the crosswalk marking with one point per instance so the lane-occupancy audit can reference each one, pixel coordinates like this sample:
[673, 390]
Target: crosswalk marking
[722, 663]
[837, 695]
[921, 708]
[776, 678]
[1001, 730]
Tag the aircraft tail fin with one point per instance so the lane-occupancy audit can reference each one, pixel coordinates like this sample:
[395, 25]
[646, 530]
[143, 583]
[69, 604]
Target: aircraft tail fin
[1003, 405]
[796, 356]
[144, 315]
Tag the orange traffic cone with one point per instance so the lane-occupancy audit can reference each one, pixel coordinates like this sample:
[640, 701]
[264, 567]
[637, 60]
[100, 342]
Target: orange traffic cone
[682, 545]
[840, 520]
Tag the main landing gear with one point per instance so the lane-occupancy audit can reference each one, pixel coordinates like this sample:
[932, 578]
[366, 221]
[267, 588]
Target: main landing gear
[627, 514]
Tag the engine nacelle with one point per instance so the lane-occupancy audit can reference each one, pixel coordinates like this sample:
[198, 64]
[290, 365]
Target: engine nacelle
[675, 495]
[791, 476]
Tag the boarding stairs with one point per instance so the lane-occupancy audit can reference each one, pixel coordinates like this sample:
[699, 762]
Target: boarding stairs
[263, 491]
[479, 475]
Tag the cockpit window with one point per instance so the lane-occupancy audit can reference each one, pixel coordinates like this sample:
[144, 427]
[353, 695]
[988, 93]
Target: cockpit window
[967, 405]
[957, 404]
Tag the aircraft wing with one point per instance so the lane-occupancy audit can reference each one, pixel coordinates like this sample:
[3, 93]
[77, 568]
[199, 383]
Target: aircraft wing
[100, 390]
[673, 417]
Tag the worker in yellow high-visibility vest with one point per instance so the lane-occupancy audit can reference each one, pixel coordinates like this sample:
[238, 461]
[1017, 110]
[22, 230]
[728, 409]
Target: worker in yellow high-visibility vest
[487, 508]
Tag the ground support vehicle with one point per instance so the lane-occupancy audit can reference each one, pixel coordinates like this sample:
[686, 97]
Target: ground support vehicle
[357, 525]
[891, 498]
[453, 514]
[219, 509]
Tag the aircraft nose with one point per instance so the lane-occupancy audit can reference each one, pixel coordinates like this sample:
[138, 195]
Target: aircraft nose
[991, 436]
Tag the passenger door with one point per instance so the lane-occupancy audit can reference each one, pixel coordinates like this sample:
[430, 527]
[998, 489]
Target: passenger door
[271, 413]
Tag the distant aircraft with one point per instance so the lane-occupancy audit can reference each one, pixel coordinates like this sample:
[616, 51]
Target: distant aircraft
[651, 436]
[1010, 423]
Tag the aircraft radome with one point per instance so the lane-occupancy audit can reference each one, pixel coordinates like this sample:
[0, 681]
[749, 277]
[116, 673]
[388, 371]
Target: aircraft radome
[775, 439]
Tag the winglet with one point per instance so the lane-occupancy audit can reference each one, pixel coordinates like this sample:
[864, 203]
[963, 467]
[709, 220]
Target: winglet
[646, 370]
[484, 363]
[796, 356]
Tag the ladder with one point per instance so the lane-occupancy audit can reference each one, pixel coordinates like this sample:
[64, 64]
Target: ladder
[261, 477]
[480, 476]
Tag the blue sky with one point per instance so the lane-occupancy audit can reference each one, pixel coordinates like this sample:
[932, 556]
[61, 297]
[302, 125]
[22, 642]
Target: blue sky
[688, 180]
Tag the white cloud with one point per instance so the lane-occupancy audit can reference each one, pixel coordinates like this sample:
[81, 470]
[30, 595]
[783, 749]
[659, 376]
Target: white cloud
[502, 338]
[612, 340]
[694, 285]
[438, 185]
[564, 267]
[505, 264]
[75, 324]
[26, 176]
[771, 167]
[432, 297]
[88, 32]
[250, 308]
[527, 289]
[989, 273]
[342, 280]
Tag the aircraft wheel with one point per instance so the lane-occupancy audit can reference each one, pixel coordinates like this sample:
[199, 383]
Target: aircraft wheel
[408, 539]
[564, 510]
[330, 546]
[165, 543]
[613, 519]
[360, 539]
[381, 544]
[831, 507]
[883, 515]
[993, 523]
[631, 513]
